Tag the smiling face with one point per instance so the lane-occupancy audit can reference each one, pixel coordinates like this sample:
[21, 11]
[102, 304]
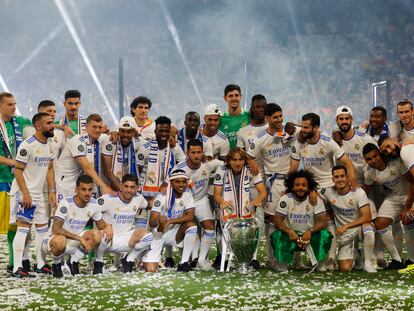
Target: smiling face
[300, 187]
[275, 121]
[405, 113]
[308, 130]
[344, 122]
[233, 99]
[340, 179]
[128, 190]
[179, 185]
[374, 159]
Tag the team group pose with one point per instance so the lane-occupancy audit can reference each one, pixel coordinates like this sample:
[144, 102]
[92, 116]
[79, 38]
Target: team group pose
[137, 196]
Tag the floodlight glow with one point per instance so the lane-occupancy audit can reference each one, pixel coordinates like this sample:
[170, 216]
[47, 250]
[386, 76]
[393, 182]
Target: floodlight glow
[6, 89]
[69, 24]
[176, 38]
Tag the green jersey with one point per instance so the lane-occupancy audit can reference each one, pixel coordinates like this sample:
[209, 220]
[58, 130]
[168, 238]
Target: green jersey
[6, 175]
[78, 126]
[230, 125]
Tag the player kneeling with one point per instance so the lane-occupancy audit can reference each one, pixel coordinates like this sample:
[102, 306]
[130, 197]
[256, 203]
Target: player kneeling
[123, 211]
[172, 217]
[352, 214]
[300, 225]
[68, 230]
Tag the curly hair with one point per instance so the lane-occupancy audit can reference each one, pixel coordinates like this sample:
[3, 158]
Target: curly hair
[232, 153]
[290, 180]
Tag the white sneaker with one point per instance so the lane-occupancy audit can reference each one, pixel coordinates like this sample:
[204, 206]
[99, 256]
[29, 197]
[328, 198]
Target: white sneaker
[204, 265]
[369, 267]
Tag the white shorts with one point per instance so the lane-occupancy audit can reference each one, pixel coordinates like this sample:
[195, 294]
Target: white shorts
[168, 238]
[71, 245]
[41, 214]
[120, 242]
[273, 197]
[346, 243]
[392, 206]
[203, 210]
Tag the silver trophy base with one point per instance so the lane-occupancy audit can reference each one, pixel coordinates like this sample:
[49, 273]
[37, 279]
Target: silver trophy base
[243, 268]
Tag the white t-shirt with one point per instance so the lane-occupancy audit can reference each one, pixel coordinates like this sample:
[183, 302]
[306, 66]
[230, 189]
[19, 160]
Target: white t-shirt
[274, 150]
[247, 134]
[318, 158]
[219, 144]
[299, 215]
[353, 149]
[74, 217]
[37, 157]
[346, 207]
[392, 177]
[146, 132]
[407, 155]
[398, 131]
[199, 178]
[122, 215]
[67, 169]
[181, 205]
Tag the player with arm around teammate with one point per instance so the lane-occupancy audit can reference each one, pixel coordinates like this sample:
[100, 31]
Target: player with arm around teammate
[123, 211]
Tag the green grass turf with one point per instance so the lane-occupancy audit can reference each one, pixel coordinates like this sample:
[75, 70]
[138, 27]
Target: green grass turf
[169, 290]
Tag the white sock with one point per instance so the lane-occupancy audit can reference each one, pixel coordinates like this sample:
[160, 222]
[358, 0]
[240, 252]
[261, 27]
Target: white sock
[388, 240]
[141, 246]
[189, 240]
[369, 242]
[196, 248]
[379, 249]
[409, 240]
[168, 251]
[27, 245]
[18, 246]
[78, 256]
[39, 236]
[331, 228]
[103, 246]
[205, 244]
[398, 234]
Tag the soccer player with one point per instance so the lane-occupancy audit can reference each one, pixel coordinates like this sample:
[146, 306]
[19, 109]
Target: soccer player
[123, 211]
[299, 223]
[404, 127]
[351, 209]
[157, 157]
[257, 124]
[11, 136]
[140, 108]
[119, 158]
[199, 174]
[191, 131]
[235, 118]
[273, 146]
[396, 178]
[81, 154]
[72, 121]
[219, 142]
[34, 164]
[377, 126]
[171, 218]
[68, 235]
[394, 149]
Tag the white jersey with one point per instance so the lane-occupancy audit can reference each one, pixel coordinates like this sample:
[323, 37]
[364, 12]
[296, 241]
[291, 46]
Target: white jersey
[318, 158]
[398, 131]
[74, 217]
[353, 149]
[247, 134]
[299, 215]
[392, 177]
[67, 169]
[185, 203]
[57, 142]
[37, 157]
[199, 178]
[407, 155]
[146, 132]
[274, 150]
[122, 215]
[346, 207]
[219, 144]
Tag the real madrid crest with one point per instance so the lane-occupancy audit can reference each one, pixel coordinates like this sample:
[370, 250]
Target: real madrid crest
[321, 151]
[357, 147]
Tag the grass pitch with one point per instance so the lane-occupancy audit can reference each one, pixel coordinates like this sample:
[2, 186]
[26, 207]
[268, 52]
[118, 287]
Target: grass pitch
[169, 290]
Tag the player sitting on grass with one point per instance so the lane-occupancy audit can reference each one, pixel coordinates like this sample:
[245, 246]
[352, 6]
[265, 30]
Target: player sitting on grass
[123, 211]
[68, 235]
[352, 214]
[172, 218]
[299, 223]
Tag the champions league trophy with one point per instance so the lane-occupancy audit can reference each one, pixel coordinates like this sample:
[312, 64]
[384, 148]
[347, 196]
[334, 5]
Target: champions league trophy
[243, 237]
